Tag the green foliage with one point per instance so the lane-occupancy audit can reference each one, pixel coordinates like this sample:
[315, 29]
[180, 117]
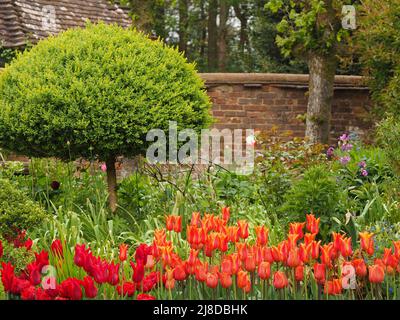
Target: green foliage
[308, 26]
[317, 192]
[389, 137]
[17, 211]
[18, 257]
[378, 42]
[95, 93]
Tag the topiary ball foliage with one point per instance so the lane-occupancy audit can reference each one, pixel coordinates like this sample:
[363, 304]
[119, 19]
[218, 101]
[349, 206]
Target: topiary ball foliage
[95, 93]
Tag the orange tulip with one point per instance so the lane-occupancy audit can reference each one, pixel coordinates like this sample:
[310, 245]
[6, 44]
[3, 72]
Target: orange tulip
[178, 224]
[242, 250]
[201, 272]
[293, 259]
[305, 252]
[297, 228]
[160, 237]
[262, 235]
[267, 254]
[333, 287]
[223, 242]
[396, 245]
[299, 273]
[376, 273]
[151, 262]
[337, 241]
[243, 229]
[315, 246]
[325, 255]
[312, 223]
[226, 214]
[226, 265]
[360, 267]
[367, 242]
[212, 280]
[389, 259]
[280, 280]
[236, 263]
[192, 260]
[292, 240]
[309, 237]
[123, 252]
[233, 233]
[242, 279]
[225, 279]
[345, 247]
[195, 221]
[264, 270]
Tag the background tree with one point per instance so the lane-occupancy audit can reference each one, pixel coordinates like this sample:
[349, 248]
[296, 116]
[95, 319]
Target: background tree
[312, 29]
[95, 93]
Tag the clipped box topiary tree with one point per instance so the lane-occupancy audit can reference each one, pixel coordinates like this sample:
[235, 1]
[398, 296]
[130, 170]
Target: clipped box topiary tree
[94, 93]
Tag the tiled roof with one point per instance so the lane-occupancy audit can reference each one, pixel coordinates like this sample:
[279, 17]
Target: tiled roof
[31, 20]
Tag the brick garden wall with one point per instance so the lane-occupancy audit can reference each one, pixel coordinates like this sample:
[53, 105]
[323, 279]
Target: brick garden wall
[261, 101]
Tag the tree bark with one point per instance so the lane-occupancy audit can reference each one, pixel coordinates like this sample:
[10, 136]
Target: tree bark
[244, 37]
[212, 36]
[112, 184]
[321, 87]
[183, 24]
[223, 35]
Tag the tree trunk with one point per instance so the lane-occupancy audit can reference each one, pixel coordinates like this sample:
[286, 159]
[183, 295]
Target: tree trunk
[223, 35]
[321, 86]
[244, 37]
[112, 184]
[183, 24]
[212, 36]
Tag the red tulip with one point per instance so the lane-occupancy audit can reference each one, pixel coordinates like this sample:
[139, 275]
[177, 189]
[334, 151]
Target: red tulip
[7, 276]
[34, 274]
[225, 279]
[250, 263]
[113, 274]
[126, 289]
[138, 271]
[376, 273]
[57, 248]
[360, 267]
[180, 272]
[389, 259]
[267, 255]
[170, 221]
[264, 270]
[299, 273]
[71, 289]
[144, 296]
[241, 248]
[280, 280]
[212, 280]
[226, 265]
[319, 272]
[123, 252]
[396, 245]
[309, 237]
[90, 288]
[201, 272]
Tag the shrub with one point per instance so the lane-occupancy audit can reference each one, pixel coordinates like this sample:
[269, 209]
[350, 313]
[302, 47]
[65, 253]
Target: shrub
[17, 211]
[316, 192]
[95, 93]
[389, 137]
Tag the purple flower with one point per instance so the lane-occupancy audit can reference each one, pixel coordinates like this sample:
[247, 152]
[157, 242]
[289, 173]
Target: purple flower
[345, 160]
[364, 172]
[330, 152]
[347, 147]
[344, 137]
[362, 164]
[55, 185]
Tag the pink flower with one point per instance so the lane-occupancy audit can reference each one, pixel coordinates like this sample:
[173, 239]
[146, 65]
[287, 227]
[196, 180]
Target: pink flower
[103, 167]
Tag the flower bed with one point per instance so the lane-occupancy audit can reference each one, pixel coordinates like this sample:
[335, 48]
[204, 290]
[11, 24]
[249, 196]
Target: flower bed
[214, 260]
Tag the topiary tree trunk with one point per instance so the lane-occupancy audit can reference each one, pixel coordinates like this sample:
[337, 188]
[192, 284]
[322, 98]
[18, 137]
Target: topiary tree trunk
[321, 88]
[112, 184]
